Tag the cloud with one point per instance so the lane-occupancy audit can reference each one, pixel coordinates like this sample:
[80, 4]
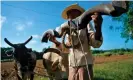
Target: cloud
[36, 36]
[58, 29]
[33, 42]
[29, 23]
[18, 34]
[2, 20]
[20, 27]
[46, 45]
[43, 45]
[4, 45]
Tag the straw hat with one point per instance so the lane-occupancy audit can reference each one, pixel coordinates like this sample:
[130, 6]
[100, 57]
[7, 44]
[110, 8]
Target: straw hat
[73, 6]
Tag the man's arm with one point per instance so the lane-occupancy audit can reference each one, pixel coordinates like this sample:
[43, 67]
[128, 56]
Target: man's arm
[53, 39]
[59, 30]
[56, 33]
[95, 38]
[98, 25]
[59, 45]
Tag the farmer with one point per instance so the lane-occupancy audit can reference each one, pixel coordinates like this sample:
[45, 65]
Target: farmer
[88, 37]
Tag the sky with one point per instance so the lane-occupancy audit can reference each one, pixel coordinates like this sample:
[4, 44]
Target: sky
[22, 19]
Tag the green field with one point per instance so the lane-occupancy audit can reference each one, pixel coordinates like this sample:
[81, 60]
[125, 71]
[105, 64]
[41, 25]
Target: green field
[120, 70]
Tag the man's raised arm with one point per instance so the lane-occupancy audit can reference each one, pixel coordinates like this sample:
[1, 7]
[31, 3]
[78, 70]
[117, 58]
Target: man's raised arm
[58, 32]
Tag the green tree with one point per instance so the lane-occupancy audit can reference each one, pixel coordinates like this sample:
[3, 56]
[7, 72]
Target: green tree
[127, 21]
[3, 55]
[43, 50]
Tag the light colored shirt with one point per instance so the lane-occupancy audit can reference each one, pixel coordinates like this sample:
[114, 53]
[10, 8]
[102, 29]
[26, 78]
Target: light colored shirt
[77, 56]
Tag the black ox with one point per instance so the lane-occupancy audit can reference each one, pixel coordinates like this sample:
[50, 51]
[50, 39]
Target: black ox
[25, 59]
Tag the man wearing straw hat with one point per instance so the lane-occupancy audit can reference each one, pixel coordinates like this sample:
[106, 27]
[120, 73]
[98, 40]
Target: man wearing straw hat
[81, 60]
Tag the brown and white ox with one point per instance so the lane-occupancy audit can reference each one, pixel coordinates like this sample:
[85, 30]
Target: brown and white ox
[56, 63]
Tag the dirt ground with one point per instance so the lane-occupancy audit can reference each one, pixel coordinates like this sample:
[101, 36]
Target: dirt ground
[113, 58]
[7, 68]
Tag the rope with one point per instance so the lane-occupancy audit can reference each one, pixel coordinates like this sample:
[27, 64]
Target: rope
[84, 55]
[81, 48]
[72, 42]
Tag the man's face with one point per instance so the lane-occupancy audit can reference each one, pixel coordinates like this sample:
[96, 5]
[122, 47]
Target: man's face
[73, 13]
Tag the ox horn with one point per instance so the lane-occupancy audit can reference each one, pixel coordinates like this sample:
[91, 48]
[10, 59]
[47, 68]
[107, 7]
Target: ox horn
[115, 9]
[8, 42]
[27, 40]
[53, 50]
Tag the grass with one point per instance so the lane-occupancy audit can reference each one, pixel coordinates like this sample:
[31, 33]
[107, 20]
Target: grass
[40, 78]
[120, 70]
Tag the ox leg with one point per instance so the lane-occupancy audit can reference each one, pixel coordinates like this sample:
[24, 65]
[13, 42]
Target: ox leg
[23, 76]
[32, 64]
[18, 77]
[17, 70]
[31, 76]
[24, 72]
[45, 64]
[50, 78]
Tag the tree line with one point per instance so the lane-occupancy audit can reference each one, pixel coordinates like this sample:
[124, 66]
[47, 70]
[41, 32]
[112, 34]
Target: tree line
[4, 56]
[40, 54]
[113, 51]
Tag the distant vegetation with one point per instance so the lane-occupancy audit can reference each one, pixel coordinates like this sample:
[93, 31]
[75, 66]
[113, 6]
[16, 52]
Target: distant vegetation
[121, 51]
[5, 58]
[112, 51]
[127, 23]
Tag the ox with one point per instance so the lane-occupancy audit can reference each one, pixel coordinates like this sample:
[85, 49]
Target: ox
[25, 60]
[56, 64]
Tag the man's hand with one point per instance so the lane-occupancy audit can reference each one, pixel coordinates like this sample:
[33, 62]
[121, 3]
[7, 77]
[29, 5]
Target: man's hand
[53, 39]
[97, 18]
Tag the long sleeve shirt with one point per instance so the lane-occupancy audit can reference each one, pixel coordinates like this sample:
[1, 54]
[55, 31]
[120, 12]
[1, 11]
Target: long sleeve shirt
[77, 55]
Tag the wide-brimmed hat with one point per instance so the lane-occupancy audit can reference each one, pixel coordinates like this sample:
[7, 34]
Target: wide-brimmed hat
[73, 6]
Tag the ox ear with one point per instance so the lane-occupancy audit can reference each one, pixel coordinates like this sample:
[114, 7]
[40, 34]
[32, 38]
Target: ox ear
[8, 42]
[27, 40]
